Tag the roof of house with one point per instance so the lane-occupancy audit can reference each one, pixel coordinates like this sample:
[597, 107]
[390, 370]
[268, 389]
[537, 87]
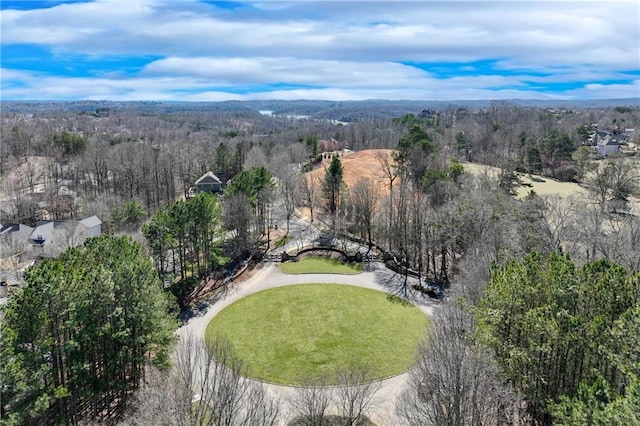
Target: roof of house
[207, 177]
[42, 232]
[604, 140]
[91, 221]
[15, 227]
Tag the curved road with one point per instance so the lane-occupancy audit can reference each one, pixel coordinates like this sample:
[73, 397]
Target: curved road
[270, 276]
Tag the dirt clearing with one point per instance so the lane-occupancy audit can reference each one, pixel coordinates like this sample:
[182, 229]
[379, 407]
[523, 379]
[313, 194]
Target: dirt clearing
[358, 165]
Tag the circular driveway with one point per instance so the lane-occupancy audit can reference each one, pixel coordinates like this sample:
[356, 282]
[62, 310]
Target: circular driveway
[270, 276]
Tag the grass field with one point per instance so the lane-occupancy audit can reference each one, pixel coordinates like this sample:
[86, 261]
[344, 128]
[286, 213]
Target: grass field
[543, 186]
[321, 265]
[287, 334]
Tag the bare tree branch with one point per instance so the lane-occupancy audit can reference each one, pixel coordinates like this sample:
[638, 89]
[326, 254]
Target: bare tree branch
[456, 382]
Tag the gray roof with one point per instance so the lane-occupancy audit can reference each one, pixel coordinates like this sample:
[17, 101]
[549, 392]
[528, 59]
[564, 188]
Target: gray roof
[9, 227]
[91, 221]
[207, 176]
[15, 227]
[42, 232]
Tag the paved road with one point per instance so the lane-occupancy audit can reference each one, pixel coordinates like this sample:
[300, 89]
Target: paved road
[270, 276]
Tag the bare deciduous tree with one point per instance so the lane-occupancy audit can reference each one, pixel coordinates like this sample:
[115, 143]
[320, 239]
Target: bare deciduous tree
[309, 189]
[456, 382]
[15, 247]
[255, 158]
[159, 402]
[364, 199]
[311, 402]
[390, 172]
[206, 386]
[288, 187]
[614, 181]
[355, 394]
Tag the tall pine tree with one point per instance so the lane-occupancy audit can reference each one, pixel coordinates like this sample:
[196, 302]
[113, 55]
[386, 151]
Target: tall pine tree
[333, 185]
[76, 338]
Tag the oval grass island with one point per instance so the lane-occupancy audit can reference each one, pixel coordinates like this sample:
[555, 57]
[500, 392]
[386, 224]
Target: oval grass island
[291, 334]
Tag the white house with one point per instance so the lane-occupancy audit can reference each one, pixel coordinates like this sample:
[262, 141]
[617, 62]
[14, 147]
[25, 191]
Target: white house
[51, 237]
[607, 146]
[90, 227]
[21, 244]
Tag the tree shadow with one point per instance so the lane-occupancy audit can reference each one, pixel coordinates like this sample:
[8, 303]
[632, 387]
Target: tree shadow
[399, 300]
[408, 289]
[222, 289]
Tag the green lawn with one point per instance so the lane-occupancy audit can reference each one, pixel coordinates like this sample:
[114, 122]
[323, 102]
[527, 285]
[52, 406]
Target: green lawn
[321, 265]
[283, 241]
[294, 332]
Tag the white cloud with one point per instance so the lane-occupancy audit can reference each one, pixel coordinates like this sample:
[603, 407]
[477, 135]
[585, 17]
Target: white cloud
[419, 31]
[339, 49]
[603, 91]
[266, 70]
[24, 85]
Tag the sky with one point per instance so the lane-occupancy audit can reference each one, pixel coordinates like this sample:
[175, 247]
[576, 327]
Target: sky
[196, 50]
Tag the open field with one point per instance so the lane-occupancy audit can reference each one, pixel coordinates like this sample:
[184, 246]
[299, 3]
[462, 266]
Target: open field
[321, 265]
[540, 184]
[290, 333]
[545, 186]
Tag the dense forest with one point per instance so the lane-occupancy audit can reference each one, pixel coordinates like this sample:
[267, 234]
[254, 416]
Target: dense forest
[540, 320]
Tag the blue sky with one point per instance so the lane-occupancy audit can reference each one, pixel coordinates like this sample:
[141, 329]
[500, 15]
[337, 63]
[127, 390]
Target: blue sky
[190, 50]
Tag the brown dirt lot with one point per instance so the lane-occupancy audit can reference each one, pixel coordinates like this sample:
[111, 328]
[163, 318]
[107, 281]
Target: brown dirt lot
[358, 165]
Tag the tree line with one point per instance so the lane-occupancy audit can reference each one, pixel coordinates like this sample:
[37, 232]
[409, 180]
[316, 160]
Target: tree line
[149, 157]
[184, 238]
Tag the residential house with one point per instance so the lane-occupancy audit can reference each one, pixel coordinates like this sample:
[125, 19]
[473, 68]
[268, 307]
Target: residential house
[329, 145]
[209, 183]
[90, 227]
[628, 136]
[51, 237]
[607, 145]
[14, 239]
[21, 244]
